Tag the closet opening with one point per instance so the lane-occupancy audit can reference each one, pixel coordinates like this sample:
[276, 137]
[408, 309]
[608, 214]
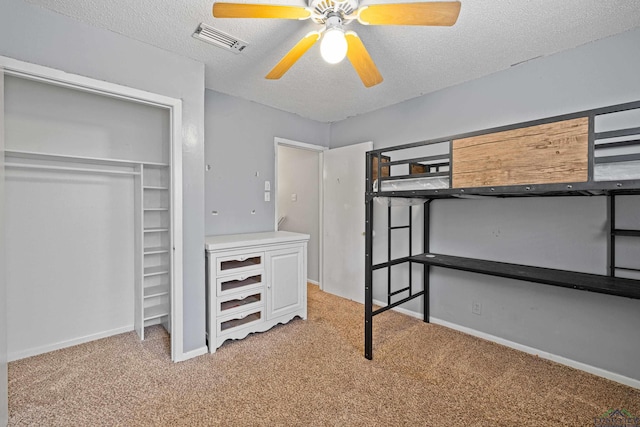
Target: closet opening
[92, 230]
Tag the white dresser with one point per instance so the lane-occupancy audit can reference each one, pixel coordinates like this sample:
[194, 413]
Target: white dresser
[254, 282]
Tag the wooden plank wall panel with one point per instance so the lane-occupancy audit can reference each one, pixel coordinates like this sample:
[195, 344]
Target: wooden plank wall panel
[548, 153]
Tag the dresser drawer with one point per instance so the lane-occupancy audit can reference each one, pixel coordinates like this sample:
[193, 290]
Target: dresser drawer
[235, 303]
[239, 321]
[238, 263]
[240, 283]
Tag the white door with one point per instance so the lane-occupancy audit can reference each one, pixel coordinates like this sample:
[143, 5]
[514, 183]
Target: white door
[4, 415]
[343, 216]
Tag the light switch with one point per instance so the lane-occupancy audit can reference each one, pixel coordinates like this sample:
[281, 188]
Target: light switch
[294, 197]
[267, 196]
[267, 186]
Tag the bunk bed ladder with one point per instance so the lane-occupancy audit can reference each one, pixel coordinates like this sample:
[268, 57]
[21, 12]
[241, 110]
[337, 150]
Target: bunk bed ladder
[391, 228]
[613, 232]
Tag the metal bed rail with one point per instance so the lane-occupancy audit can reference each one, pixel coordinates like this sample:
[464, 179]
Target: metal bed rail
[624, 142]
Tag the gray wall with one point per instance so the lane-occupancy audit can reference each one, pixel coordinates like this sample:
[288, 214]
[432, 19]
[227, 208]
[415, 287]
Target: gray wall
[560, 232]
[593, 75]
[240, 143]
[30, 33]
[299, 174]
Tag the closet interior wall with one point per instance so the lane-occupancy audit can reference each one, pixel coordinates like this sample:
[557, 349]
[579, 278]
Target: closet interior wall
[71, 235]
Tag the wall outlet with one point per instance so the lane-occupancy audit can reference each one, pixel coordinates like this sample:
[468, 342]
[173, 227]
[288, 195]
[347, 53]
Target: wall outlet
[294, 197]
[476, 307]
[267, 196]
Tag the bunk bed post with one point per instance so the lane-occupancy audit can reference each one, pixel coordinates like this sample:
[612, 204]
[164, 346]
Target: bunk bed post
[410, 249]
[425, 267]
[611, 237]
[389, 228]
[368, 269]
[591, 145]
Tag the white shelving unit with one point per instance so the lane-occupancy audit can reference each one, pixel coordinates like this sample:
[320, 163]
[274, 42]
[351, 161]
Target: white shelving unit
[153, 296]
[153, 223]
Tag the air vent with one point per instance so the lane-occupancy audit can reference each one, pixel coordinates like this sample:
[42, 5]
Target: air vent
[219, 38]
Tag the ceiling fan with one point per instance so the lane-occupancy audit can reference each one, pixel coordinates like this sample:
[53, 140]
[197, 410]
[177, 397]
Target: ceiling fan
[334, 15]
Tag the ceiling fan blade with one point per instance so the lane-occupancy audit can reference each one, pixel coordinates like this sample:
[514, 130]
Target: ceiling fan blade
[293, 55]
[242, 10]
[361, 61]
[424, 13]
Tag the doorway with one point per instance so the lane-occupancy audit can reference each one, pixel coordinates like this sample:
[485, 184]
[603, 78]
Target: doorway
[340, 210]
[298, 197]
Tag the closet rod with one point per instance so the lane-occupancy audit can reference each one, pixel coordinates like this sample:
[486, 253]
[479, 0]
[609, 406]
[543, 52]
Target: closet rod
[70, 169]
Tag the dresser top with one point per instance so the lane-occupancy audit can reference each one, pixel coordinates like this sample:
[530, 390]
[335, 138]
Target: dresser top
[230, 241]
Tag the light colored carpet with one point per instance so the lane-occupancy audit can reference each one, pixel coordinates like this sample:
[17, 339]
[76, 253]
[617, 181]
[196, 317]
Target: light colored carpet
[310, 373]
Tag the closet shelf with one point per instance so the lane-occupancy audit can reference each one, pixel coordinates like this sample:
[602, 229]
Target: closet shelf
[78, 159]
[156, 229]
[156, 250]
[69, 169]
[549, 276]
[156, 209]
[156, 271]
[156, 311]
[156, 291]
[154, 187]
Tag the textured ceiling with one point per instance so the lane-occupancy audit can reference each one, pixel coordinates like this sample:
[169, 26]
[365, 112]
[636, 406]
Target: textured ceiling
[490, 35]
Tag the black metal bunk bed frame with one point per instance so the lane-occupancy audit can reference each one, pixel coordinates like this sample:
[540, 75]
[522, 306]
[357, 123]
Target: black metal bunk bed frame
[607, 284]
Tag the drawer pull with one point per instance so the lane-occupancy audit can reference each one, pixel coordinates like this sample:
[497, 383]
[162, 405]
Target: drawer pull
[242, 278]
[242, 258]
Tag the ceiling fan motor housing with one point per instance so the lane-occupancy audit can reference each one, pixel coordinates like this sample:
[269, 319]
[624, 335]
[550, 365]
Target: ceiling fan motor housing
[333, 20]
[324, 8]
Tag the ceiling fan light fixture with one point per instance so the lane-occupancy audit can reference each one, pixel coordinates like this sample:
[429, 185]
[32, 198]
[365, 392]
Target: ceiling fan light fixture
[333, 47]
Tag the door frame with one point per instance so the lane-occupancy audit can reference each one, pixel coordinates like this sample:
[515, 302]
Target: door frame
[13, 67]
[4, 388]
[277, 142]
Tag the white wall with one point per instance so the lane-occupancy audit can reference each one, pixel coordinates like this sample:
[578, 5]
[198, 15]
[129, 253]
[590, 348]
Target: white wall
[63, 43]
[299, 174]
[239, 144]
[594, 329]
[78, 229]
[4, 411]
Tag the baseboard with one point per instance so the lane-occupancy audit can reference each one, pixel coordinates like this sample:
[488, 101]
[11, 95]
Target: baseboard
[313, 282]
[17, 355]
[631, 382]
[191, 354]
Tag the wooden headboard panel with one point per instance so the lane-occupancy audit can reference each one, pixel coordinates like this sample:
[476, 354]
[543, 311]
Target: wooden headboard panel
[550, 153]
